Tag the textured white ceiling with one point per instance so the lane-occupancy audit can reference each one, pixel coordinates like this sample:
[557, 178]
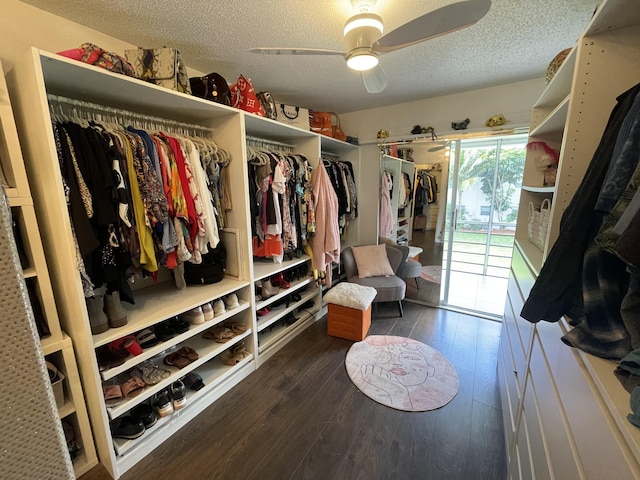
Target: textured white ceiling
[515, 41]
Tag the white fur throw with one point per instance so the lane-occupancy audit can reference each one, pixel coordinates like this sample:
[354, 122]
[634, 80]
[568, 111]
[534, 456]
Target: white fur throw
[351, 295]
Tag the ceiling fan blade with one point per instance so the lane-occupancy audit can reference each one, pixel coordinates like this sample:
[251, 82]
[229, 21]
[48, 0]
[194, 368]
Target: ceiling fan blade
[375, 80]
[296, 51]
[433, 24]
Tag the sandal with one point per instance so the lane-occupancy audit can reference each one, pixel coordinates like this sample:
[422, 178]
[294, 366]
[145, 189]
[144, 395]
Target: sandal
[189, 353]
[112, 394]
[236, 327]
[219, 334]
[108, 359]
[234, 355]
[177, 360]
[150, 373]
[133, 387]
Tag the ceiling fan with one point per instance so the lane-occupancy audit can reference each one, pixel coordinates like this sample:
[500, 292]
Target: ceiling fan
[364, 41]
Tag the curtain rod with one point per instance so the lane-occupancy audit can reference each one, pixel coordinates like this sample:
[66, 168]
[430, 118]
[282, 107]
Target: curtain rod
[125, 113]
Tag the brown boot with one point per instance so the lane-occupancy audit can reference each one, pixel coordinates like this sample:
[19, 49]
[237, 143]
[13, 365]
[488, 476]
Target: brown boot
[113, 308]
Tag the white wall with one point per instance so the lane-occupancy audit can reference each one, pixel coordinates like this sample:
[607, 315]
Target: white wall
[514, 101]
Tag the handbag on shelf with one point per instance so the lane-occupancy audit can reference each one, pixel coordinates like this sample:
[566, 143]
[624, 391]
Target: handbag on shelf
[321, 123]
[336, 129]
[328, 124]
[294, 116]
[94, 55]
[244, 97]
[268, 105]
[538, 223]
[210, 270]
[161, 66]
[211, 87]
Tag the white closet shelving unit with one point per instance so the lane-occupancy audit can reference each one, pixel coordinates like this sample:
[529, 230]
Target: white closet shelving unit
[57, 347]
[42, 73]
[403, 224]
[564, 410]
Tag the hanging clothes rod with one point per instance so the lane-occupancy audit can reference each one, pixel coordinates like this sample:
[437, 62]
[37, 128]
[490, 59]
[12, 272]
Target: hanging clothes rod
[85, 106]
[331, 156]
[261, 142]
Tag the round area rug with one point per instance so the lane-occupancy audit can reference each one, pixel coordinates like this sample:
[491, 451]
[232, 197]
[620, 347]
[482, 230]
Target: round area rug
[401, 373]
[432, 273]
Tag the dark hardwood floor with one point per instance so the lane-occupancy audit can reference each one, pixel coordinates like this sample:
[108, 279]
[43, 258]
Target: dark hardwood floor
[300, 417]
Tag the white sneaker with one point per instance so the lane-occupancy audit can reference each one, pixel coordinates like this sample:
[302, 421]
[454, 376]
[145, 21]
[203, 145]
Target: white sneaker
[194, 316]
[218, 307]
[207, 309]
[231, 301]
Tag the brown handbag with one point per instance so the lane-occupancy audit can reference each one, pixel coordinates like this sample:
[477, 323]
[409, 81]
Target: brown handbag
[321, 123]
[327, 123]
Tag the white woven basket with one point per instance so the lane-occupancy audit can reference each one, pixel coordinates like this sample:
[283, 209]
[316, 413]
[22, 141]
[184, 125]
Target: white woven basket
[538, 223]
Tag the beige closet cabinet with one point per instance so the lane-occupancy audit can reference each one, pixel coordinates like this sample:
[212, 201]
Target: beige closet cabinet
[57, 347]
[41, 74]
[564, 410]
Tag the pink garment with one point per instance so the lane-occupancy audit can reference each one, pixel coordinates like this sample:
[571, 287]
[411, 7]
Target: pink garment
[386, 215]
[326, 241]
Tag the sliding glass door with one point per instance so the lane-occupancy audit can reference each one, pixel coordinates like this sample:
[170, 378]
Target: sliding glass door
[482, 205]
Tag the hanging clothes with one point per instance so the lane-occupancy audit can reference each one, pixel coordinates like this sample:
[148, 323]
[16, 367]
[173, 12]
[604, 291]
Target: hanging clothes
[282, 206]
[138, 200]
[325, 242]
[387, 219]
[579, 279]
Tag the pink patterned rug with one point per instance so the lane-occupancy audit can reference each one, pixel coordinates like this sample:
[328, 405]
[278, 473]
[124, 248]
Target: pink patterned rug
[401, 373]
[432, 273]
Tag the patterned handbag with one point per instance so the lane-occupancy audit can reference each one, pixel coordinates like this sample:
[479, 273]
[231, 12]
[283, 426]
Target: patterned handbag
[94, 55]
[161, 66]
[268, 105]
[244, 97]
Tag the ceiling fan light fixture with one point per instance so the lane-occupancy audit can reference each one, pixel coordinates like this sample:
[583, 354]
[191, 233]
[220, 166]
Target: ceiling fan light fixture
[369, 20]
[362, 61]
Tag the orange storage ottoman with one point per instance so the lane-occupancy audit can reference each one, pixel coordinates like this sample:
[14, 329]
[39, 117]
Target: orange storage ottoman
[348, 323]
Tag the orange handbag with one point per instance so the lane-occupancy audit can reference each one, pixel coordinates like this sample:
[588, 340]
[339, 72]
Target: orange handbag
[327, 123]
[321, 123]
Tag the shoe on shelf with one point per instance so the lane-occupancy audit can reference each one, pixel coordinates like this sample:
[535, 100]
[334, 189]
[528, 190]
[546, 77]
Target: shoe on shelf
[146, 338]
[231, 301]
[263, 311]
[178, 395]
[113, 308]
[193, 381]
[218, 308]
[234, 355]
[195, 316]
[97, 318]
[178, 325]
[162, 403]
[278, 280]
[145, 413]
[207, 310]
[164, 331]
[127, 427]
[267, 290]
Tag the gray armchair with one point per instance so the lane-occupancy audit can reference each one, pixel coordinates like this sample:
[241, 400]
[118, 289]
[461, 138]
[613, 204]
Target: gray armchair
[389, 289]
[409, 268]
